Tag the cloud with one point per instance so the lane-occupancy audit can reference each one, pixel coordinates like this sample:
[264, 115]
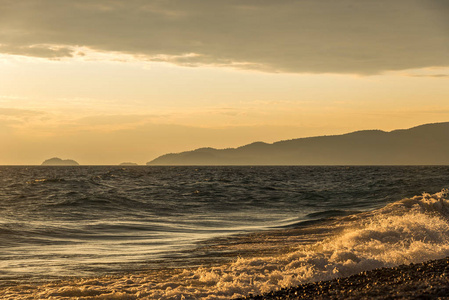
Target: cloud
[19, 113]
[431, 75]
[11, 97]
[45, 51]
[110, 123]
[325, 36]
[13, 118]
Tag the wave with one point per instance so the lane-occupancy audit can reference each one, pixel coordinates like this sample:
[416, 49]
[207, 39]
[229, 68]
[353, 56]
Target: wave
[331, 213]
[408, 231]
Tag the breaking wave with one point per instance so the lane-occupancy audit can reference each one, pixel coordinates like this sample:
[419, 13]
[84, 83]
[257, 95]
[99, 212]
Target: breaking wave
[407, 231]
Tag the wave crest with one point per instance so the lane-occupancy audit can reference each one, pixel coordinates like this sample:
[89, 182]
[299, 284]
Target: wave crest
[408, 231]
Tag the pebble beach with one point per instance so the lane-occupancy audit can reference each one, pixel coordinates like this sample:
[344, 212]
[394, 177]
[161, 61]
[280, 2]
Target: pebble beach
[428, 280]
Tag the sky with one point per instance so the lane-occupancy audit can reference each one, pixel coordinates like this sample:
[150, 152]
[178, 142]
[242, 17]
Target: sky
[112, 81]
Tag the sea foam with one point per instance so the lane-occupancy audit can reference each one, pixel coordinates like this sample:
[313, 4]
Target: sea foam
[408, 231]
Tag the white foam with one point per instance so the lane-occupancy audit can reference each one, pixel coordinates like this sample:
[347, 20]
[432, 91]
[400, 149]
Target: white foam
[410, 230]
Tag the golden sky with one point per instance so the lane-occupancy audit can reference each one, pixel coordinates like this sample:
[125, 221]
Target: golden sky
[109, 81]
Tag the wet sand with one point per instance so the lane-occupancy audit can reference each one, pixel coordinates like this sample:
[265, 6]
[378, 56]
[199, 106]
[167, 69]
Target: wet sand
[428, 280]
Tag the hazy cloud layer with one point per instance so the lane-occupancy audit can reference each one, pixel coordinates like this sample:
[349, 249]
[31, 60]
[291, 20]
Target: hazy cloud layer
[345, 36]
[431, 75]
[19, 114]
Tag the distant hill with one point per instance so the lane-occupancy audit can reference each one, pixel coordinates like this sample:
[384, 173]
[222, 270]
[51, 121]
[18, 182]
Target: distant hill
[55, 161]
[422, 145]
[128, 164]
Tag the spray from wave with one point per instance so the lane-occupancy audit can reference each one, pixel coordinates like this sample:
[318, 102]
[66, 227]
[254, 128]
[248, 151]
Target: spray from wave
[408, 231]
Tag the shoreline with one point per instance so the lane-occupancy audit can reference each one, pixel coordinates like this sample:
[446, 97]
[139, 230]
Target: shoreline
[426, 280]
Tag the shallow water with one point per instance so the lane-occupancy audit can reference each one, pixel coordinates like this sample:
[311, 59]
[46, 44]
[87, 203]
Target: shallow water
[295, 224]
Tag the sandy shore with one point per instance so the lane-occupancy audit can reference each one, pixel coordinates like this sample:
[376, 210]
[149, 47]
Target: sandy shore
[428, 280]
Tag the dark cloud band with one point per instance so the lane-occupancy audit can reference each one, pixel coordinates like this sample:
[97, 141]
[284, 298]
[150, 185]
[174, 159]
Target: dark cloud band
[322, 36]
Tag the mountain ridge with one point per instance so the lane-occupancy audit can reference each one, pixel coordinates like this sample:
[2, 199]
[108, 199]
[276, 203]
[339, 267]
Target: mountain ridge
[425, 144]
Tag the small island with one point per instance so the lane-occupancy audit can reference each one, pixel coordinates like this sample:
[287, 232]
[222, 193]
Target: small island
[128, 164]
[56, 161]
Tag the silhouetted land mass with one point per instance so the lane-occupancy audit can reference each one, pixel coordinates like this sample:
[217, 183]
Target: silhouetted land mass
[55, 161]
[128, 164]
[422, 145]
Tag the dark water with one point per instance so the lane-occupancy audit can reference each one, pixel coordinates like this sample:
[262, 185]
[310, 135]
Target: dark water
[65, 221]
